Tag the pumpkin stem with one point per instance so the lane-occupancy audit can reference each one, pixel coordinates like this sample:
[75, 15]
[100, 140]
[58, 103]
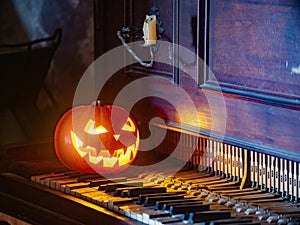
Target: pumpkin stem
[97, 103]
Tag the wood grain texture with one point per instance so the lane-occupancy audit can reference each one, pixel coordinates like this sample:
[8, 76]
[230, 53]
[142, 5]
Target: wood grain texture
[249, 45]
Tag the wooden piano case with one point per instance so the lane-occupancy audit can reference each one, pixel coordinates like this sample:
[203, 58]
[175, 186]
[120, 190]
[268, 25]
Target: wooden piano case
[252, 53]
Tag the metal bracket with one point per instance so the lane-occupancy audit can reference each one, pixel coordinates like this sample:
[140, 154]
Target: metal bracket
[137, 33]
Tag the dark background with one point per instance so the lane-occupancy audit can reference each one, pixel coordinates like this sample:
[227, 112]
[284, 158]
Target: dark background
[22, 21]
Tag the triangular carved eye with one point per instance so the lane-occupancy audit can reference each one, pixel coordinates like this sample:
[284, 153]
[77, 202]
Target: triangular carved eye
[129, 125]
[91, 129]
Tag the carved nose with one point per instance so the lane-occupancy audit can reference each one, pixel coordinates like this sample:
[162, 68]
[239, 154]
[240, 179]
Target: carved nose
[117, 136]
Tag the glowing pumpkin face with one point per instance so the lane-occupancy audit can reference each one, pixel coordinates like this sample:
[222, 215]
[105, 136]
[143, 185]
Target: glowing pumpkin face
[96, 139]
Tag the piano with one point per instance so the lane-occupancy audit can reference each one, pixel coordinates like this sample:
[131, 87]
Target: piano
[238, 163]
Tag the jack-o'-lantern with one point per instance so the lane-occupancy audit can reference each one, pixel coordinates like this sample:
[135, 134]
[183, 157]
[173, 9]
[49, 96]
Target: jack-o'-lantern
[100, 139]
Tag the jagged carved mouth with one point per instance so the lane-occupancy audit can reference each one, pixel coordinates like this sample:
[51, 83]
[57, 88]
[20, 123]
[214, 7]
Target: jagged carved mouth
[120, 157]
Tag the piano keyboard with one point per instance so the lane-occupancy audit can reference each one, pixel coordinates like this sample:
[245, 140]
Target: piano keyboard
[223, 184]
[188, 197]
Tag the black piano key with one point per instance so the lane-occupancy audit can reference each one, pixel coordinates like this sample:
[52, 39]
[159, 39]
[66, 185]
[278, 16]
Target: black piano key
[41, 178]
[154, 214]
[75, 175]
[142, 197]
[62, 178]
[57, 183]
[169, 220]
[98, 182]
[195, 176]
[111, 187]
[63, 170]
[196, 217]
[136, 191]
[175, 223]
[239, 193]
[123, 191]
[69, 187]
[49, 180]
[88, 177]
[188, 208]
[229, 221]
[118, 192]
[150, 201]
[247, 223]
[216, 189]
[165, 205]
[116, 202]
[256, 197]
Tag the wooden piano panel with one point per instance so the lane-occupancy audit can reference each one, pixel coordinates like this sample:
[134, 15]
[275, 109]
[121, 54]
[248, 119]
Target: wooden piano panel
[252, 57]
[254, 47]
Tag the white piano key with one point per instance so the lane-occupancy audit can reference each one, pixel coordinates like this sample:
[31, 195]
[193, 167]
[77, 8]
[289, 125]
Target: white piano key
[113, 203]
[101, 200]
[69, 187]
[46, 181]
[57, 184]
[79, 191]
[52, 181]
[90, 196]
[38, 178]
[150, 213]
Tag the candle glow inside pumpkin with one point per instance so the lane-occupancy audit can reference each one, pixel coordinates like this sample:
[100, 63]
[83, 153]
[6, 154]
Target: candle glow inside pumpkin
[96, 139]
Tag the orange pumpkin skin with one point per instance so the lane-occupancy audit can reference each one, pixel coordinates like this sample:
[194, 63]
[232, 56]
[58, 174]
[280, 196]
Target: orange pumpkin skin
[96, 139]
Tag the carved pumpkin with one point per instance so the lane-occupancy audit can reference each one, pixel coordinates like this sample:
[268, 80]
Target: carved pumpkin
[96, 139]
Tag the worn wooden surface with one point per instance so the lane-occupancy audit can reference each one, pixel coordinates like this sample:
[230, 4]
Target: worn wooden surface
[252, 48]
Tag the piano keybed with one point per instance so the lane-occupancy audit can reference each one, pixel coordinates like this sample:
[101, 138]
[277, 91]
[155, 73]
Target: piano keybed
[223, 184]
[188, 197]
